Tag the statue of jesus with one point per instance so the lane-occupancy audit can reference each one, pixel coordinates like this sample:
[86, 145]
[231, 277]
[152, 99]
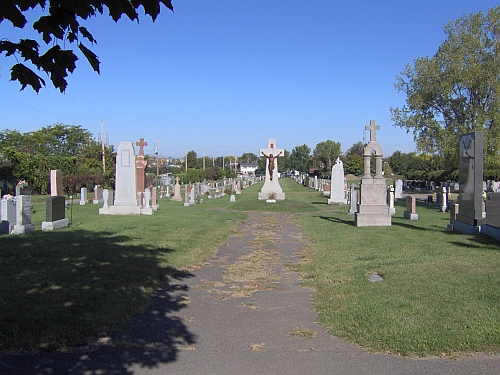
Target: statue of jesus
[270, 167]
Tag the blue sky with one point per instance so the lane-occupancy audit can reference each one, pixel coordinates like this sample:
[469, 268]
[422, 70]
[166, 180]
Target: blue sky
[221, 77]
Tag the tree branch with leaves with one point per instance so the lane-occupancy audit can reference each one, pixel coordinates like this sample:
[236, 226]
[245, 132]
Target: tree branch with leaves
[61, 24]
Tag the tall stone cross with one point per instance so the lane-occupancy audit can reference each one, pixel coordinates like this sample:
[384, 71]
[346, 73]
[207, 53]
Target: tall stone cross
[372, 128]
[140, 168]
[141, 145]
[271, 153]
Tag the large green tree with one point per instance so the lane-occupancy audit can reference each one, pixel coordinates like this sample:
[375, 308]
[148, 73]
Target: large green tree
[457, 90]
[61, 25]
[192, 159]
[356, 149]
[300, 158]
[327, 152]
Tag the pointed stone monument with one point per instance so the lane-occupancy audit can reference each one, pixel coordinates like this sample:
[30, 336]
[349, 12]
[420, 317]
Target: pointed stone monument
[125, 202]
[271, 189]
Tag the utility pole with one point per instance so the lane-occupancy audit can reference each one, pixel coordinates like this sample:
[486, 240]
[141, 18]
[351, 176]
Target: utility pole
[157, 161]
[103, 149]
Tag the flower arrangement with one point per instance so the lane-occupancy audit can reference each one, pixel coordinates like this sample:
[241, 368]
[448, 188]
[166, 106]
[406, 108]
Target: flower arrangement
[7, 196]
[22, 183]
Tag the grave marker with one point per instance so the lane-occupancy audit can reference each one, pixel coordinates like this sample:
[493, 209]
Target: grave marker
[271, 189]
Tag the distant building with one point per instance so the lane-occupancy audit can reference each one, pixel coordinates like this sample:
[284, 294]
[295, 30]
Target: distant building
[248, 168]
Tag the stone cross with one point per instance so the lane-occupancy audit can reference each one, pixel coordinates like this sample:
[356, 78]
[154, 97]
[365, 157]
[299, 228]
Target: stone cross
[271, 150]
[141, 145]
[372, 128]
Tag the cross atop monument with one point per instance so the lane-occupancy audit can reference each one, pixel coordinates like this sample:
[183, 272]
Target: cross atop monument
[141, 145]
[372, 128]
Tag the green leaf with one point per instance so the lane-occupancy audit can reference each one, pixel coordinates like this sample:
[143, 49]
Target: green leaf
[26, 76]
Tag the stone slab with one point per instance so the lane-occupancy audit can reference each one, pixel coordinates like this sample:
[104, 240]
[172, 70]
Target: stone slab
[23, 229]
[491, 231]
[51, 225]
[408, 215]
[464, 228]
[120, 210]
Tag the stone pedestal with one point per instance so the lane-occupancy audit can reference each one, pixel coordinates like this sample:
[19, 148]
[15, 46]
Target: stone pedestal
[373, 210]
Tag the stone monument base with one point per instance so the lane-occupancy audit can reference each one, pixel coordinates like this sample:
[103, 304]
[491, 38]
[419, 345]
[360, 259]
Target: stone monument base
[491, 231]
[120, 210]
[337, 201]
[51, 225]
[408, 215]
[146, 211]
[23, 229]
[372, 215]
[464, 228]
[267, 195]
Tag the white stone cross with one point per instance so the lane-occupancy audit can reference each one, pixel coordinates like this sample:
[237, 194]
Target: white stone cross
[271, 153]
[372, 128]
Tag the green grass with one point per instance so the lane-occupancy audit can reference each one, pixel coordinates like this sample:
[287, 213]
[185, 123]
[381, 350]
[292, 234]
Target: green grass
[69, 286]
[440, 294]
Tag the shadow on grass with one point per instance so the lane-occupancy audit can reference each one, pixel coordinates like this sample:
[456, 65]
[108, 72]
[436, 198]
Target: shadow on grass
[338, 220]
[68, 301]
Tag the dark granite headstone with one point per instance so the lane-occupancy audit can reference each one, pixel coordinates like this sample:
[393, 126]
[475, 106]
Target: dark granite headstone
[55, 209]
[471, 179]
[493, 209]
[23, 190]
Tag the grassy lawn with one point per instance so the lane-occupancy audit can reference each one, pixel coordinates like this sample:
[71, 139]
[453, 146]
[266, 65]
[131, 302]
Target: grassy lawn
[69, 286]
[440, 294]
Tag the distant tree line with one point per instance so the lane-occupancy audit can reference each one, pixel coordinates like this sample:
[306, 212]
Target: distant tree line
[30, 156]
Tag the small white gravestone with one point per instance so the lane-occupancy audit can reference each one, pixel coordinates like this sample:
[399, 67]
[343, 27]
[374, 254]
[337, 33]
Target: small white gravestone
[337, 193]
[83, 196]
[398, 189]
[147, 209]
[233, 198]
[108, 198]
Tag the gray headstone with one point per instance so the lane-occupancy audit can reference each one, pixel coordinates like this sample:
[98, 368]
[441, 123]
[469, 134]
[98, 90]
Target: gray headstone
[55, 208]
[471, 178]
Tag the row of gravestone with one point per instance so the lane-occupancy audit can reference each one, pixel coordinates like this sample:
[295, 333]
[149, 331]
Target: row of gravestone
[15, 214]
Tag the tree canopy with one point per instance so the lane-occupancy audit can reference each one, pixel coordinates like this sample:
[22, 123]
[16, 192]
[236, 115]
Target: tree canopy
[327, 152]
[299, 158]
[61, 25]
[457, 90]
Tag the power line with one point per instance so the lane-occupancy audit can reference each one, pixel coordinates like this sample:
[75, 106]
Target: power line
[45, 113]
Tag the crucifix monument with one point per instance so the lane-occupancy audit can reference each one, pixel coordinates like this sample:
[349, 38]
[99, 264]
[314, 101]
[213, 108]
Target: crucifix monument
[271, 188]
